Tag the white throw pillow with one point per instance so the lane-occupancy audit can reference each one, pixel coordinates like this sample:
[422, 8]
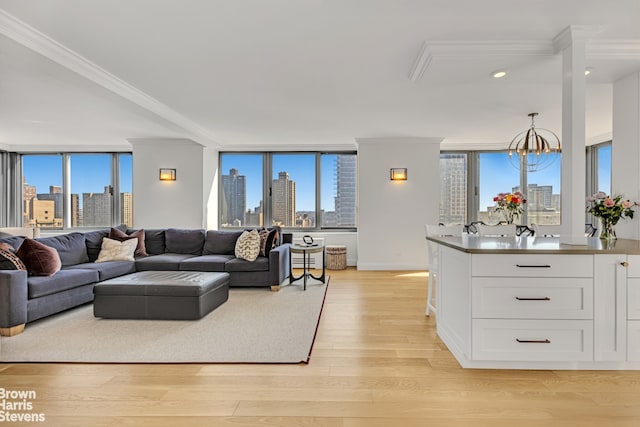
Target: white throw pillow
[114, 250]
[248, 245]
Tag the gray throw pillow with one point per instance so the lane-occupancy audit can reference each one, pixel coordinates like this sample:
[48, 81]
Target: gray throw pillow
[181, 241]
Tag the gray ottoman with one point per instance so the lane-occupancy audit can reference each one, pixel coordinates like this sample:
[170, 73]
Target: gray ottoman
[165, 295]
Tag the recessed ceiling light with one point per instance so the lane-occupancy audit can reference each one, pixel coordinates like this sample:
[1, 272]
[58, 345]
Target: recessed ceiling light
[588, 70]
[499, 73]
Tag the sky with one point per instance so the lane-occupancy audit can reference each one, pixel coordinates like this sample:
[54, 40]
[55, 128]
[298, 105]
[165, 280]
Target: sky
[89, 172]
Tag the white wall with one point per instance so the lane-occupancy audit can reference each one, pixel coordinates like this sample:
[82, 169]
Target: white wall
[179, 203]
[391, 215]
[625, 149]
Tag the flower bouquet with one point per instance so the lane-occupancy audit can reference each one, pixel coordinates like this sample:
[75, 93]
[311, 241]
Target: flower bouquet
[610, 210]
[510, 205]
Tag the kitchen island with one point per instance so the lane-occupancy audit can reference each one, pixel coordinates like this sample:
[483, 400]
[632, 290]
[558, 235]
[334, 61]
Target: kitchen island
[534, 303]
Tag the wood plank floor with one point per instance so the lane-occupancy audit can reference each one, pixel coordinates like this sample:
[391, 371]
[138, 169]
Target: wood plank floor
[376, 362]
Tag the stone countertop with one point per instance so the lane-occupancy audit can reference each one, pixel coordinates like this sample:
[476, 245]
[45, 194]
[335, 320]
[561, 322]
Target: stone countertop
[474, 244]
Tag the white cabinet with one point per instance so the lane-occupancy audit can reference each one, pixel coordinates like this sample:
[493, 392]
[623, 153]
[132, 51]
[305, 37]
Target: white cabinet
[536, 304]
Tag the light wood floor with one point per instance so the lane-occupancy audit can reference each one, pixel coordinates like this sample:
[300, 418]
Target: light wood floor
[376, 362]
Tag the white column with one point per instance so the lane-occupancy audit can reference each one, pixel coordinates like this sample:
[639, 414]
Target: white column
[572, 43]
[625, 149]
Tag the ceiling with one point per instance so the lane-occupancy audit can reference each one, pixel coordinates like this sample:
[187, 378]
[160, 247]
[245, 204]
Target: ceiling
[279, 74]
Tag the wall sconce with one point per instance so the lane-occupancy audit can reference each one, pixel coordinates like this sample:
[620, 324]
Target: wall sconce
[167, 174]
[398, 174]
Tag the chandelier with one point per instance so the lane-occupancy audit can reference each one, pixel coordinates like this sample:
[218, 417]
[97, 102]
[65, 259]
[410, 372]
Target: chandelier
[534, 148]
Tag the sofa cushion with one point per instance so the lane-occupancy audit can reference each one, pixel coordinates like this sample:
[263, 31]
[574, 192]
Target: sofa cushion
[269, 239]
[181, 241]
[13, 241]
[63, 280]
[237, 264]
[107, 270]
[220, 242]
[248, 245]
[154, 240]
[167, 262]
[40, 259]
[121, 236]
[93, 242]
[206, 263]
[71, 247]
[115, 250]
[9, 260]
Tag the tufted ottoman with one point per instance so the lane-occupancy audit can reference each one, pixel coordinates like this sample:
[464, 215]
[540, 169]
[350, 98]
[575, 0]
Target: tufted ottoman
[165, 295]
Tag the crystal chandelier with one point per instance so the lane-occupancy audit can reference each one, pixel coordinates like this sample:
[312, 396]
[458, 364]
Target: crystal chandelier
[534, 148]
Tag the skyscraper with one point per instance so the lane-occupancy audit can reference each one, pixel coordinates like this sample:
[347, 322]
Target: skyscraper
[28, 194]
[75, 211]
[126, 208]
[234, 186]
[96, 208]
[283, 200]
[345, 200]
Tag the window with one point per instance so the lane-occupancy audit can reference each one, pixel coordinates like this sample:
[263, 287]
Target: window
[496, 175]
[338, 187]
[91, 190]
[241, 190]
[488, 174]
[543, 194]
[86, 199]
[292, 190]
[603, 161]
[42, 191]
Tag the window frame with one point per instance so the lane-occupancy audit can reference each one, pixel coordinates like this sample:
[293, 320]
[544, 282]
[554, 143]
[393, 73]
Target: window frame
[267, 178]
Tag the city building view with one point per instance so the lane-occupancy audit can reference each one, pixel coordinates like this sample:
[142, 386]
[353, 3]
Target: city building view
[339, 176]
[45, 210]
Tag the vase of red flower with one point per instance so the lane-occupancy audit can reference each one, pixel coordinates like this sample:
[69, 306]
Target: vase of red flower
[510, 205]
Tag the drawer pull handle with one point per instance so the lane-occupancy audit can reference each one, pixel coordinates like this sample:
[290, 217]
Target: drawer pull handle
[533, 299]
[546, 341]
[533, 266]
[624, 264]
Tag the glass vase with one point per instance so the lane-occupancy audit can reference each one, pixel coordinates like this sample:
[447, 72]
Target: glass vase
[608, 231]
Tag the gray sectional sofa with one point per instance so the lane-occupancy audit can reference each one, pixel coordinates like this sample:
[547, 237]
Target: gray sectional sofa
[24, 298]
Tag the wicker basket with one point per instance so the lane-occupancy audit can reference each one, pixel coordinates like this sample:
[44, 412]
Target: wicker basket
[336, 257]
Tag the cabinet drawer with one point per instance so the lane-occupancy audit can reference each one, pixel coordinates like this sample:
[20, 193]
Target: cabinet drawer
[633, 341]
[633, 298]
[529, 298]
[516, 265]
[532, 340]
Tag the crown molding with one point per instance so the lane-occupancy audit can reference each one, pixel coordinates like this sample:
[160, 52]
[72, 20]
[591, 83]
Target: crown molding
[421, 63]
[69, 148]
[598, 139]
[288, 147]
[33, 39]
[614, 49]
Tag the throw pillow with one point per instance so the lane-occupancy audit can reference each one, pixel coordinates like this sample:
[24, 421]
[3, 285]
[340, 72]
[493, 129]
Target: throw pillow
[248, 245]
[115, 250]
[121, 236]
[268, 240]
[40, 259]
[9, 260]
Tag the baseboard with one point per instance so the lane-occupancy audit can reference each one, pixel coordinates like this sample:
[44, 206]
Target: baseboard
[381, 266]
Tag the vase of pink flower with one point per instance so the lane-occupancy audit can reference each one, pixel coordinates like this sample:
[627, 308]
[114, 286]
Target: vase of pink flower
[510, 205]
[609, 210]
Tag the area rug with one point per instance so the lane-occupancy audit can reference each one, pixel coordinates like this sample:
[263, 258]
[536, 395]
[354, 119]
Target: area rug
[254, 326]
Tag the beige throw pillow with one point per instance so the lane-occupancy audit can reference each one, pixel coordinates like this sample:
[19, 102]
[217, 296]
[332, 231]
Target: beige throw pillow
[114, 250]
[248, 245]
